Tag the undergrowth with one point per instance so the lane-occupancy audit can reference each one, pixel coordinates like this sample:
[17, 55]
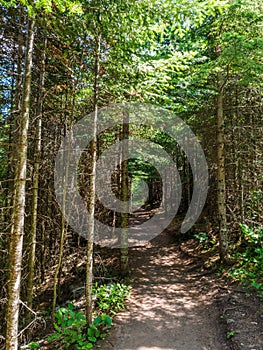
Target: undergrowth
[249, 257]
[247, 254]
[111, 298]
[71, 329]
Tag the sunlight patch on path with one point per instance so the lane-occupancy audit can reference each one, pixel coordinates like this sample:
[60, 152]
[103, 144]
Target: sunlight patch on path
[170, 308]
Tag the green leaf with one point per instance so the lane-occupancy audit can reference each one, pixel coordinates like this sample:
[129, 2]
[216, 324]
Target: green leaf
[57, 328]
[92, 339]
[54, 336]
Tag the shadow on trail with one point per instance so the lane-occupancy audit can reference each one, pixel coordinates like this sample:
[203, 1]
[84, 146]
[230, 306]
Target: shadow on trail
[172, 306]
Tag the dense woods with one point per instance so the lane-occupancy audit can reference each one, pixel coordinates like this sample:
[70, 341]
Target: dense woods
[63, 60]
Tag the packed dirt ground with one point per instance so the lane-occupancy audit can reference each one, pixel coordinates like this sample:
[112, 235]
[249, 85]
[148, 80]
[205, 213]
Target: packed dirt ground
[178, 301]
[178, 304]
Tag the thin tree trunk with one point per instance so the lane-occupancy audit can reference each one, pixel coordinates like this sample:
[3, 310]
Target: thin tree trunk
[62, 239]
[92, 189]
[124, 260]
[15, 114]
[33, 229]
[63, 232]
[17, 231]
[221, 181]
[64, 223]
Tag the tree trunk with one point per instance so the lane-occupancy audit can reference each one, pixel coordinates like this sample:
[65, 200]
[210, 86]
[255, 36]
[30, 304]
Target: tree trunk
[124, 197]
[17, 230]
[221, 182]
[92, 189]
[63, 232]
[33, 229]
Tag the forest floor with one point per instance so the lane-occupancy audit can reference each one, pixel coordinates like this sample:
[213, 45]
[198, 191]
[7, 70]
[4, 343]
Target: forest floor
[178, 300]
[177, 304]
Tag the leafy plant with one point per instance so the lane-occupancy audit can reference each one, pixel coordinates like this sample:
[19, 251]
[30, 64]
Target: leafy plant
[111, 298]
[206, 241]
[33, 345]
[202, 237]
[250, 257]
[98, 328]
[71, 328]
[230, 334]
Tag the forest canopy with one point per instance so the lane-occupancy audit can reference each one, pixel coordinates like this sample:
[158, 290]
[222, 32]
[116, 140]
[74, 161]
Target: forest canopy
[62, 60]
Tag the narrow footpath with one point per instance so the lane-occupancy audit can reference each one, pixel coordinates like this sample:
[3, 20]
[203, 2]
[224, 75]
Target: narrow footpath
[173, 304]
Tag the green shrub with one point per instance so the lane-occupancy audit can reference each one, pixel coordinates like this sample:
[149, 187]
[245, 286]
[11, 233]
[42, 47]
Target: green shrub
[249, 267]
[111, 298]
[202, 237]
[71, 328]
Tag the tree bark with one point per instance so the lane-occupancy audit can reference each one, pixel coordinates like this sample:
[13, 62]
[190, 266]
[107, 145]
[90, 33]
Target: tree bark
[63, 231]
[124, 259]
[17, 230]
[37, 153]
[92, 189]
[221, 181]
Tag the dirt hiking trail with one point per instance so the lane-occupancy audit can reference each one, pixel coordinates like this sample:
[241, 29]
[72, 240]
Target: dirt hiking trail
[173, 304]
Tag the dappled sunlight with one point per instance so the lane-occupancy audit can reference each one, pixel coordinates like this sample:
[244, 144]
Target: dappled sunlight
[171, 302]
